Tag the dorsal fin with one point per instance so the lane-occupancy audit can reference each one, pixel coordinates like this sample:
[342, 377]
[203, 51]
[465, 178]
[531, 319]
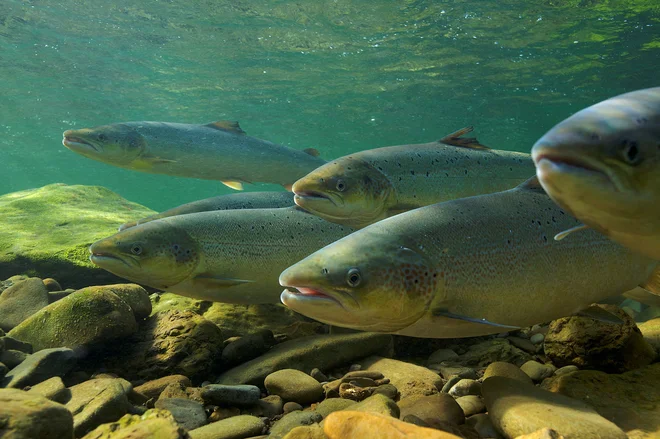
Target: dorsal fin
[226, 125]
[531, 184]
[312, 151]
[469, 142]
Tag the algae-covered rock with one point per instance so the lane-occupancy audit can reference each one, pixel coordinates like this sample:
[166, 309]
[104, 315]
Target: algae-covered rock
[97, 401]
[172, 342]
[27, 416]
[153, 424]
[88, 316]
[46, 231]
[631, 400]
[136, 297]
[20, 301]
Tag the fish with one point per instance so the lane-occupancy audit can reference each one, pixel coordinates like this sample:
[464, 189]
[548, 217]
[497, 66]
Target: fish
[474, 266]
[215, 151]
[232, 256]
[242, 200]
[367, 186]
[602, 165]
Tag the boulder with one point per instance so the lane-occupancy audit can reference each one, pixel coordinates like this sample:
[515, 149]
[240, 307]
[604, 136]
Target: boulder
[20, 301]
[27, 416]
[153, 424]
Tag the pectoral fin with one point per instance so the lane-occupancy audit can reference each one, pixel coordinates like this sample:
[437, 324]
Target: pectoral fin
[597, 313]
[441, 313]
[561, 235]
[211, 281]
[652, 284]
[233, 184]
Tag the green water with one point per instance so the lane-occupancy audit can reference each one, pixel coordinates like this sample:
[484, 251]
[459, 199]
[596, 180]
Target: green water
[340, 75]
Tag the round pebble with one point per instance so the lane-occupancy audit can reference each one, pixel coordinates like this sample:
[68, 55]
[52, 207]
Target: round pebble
[318, 375]
[537, 371]
[508, 370]
[537, 338]
[465, 387]
[291, 407]
[240, 395]
[294, 385]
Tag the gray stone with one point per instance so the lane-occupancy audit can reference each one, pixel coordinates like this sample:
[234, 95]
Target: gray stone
[98, 401]
[236, 427]
[537, 338]
[516, 409]
[388, 390]
[523, 343]
[294, 385]
[240, 395]
[441, 355]
[465, 387]
[187, 413]
[292, 420]
[471, 404]
[248, 347]
[433, 408]
[12, 358]
[153, 388]
[306, 353]
[318, 375]
[3, 371]
[53, 389]
[16, 345]
[40, 366]
[27, 416]
[537, 371]
[450, 383]
[483, 425]
[504, 369]
[20, 301]
[449, 372]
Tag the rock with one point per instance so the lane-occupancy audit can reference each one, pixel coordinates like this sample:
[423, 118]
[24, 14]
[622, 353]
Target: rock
[240, 395]
[471, 404]
[377, 404]
[314, 431]
[248, 347]
[291, 407]
[408, 378]
[171, 342]
[177, 390]
[593, 344]
[432, 408]
[359, 425]
[153, 424]
[188, 414]
[268, 407]
[651, 332]
[153, 388]
[465, 387]
[441, 355]
[487, 352]
[12, 358]
[53, 389]
[630, 400]
[449, 372]
[16, 345]
[21, 300]
[483, 425]
[294, 385]
[292, 420]
[54, 296]
[508, 370]
[306, 353]
[566, 369]
[516, 409]
[40, 366]
[136, 297]
[387, 390]
[27, 416]
[89, 316]
[537, 371]
[318, 375]
[97, 401]
[450, 383]
[3, 371]
[51, 284]
[324, 408]
[51, 228]
[537, 338]
[523, 343]
[544, 433]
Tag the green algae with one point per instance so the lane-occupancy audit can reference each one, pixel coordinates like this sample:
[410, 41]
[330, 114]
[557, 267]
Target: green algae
[46, 232]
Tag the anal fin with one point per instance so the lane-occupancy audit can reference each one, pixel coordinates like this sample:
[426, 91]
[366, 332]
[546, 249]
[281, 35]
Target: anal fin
[561, 235]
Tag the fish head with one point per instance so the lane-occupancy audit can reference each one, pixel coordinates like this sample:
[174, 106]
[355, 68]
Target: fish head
[362, 282]
[348, 191]
[117, 144]
[156, 254]
[603, 163]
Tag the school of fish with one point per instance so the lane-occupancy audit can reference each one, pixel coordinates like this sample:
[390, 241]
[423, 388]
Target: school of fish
[434, 240]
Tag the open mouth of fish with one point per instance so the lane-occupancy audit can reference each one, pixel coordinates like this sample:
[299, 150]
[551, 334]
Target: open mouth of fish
[309, 294]
[77, 142]
[101, 259]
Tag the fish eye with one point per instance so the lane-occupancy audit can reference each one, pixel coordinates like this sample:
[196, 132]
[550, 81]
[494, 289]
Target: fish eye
[631, 152]
[341, 186]
[136, 249]
[102, 137]
[353, 277]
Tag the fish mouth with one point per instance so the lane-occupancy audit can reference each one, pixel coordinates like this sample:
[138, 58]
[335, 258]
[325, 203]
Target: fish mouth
[307, 294]
[104, 259]
[311, 197]
[73, 142]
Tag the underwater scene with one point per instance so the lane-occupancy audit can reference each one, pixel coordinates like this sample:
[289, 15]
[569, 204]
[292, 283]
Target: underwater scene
[329, 220]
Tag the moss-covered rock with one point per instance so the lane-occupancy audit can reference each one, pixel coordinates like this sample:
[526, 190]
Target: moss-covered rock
[27, 416]
[89, 316]
[153, 424]
[45, 232]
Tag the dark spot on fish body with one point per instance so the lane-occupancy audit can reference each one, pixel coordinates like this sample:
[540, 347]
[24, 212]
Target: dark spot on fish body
[412, 172]
[641, 120]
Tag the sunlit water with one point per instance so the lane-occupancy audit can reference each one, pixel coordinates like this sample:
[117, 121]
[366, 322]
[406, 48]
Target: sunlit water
[340, 76]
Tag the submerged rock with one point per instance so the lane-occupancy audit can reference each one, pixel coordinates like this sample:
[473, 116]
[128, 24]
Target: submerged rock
[294, 385]
[47, 231]
[323, 351]
[153, 424]
[20, 301]
[242, 426]
[89, 316]
[408, 378]
[631, 400]
[360, 425]
[40, 366]
[593, 344]
[27, 416]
